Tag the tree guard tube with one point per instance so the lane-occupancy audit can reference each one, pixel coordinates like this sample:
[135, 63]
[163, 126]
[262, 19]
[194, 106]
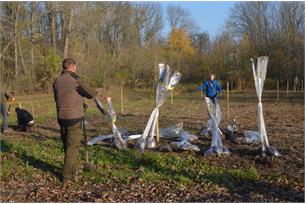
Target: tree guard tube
[259, 79]
[165, 84]
[213, 126]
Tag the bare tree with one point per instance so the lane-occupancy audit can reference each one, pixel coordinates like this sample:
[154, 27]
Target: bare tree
[149, 20]
[252, 18]
[201, 42]
[180, 18]
[291, 18]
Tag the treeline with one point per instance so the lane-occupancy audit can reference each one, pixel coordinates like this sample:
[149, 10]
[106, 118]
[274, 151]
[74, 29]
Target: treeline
[122, 42]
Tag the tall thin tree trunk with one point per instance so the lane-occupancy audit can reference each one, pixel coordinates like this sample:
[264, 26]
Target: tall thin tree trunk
[53, 25]
[21, 56]
[16, 40]
[33, 6]
[68, 33]
[62, 27]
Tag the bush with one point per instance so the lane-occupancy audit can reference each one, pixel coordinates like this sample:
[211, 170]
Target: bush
[270, 84]
[49, 68]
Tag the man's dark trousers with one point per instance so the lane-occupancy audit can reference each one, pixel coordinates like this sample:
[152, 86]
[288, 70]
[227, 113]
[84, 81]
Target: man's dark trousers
[71, 137]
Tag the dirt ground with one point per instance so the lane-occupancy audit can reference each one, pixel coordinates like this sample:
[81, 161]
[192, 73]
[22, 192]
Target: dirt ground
[281, 179]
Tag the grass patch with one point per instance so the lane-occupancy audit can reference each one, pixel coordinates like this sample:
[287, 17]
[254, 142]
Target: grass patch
[152, 167]
[24, 158]
[41, 154]
[245, 174]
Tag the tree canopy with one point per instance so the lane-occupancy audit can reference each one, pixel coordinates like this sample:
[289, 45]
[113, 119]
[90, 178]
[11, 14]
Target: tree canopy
[122, 42]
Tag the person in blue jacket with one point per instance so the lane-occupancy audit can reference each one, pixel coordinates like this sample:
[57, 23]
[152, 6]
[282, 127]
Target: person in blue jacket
[211, 88]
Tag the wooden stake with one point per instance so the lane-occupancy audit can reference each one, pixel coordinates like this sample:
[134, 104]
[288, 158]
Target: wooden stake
[33, 112]
[287, 88]
[278, 90]
[20, 105]
[239, 85]
[158, 131]
[201, 94]
[302, 85]
[122, 100]
[172, 97]
[228, 101]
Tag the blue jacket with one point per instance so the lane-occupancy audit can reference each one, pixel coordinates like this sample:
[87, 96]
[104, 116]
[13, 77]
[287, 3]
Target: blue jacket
[210, 89]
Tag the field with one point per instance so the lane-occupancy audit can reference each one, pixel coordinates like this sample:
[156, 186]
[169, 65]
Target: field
[31, 162]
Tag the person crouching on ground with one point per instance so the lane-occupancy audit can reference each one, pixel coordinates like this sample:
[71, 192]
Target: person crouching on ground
[69, 92]
[25, 119]
[211, 88]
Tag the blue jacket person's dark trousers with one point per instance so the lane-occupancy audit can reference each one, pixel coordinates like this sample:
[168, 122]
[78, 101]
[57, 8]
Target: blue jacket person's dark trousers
[3, 110]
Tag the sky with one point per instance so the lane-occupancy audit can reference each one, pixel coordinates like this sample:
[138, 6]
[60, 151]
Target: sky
[209, 16]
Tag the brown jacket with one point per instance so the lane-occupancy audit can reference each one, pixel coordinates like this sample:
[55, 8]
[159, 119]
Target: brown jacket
[69, 93]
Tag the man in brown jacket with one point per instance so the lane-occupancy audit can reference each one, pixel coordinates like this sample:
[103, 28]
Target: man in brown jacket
[69, 93]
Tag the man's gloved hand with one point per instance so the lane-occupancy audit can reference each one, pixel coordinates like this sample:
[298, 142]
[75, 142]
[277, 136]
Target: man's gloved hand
[220, 94]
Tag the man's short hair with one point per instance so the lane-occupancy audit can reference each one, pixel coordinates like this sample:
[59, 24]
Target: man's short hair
[67, 62]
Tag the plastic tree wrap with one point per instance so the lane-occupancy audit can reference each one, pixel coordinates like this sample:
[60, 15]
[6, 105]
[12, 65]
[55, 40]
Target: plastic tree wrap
[183, 145]
[184, 139]
[184, 136]
[165, 84]
[213, 122]
[99, 138]
[252, 137]
[259, 80]
[124, 133]
[118, 142]
[214, 112]
[177, 132]
[174, 133]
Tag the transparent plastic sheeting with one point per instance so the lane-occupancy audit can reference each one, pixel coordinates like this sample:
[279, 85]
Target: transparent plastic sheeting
[123, 132]
[117, 140]
[183, 145]
[183, 139]
[259, 79]
[213, 122]
[175, 132]
[165, 84]
[252, 137]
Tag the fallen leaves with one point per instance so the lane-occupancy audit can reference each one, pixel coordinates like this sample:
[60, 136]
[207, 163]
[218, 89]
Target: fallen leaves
[280, 180]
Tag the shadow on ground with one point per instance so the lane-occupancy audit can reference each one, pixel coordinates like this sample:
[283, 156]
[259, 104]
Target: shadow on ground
[242, 188]
[6, 147]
